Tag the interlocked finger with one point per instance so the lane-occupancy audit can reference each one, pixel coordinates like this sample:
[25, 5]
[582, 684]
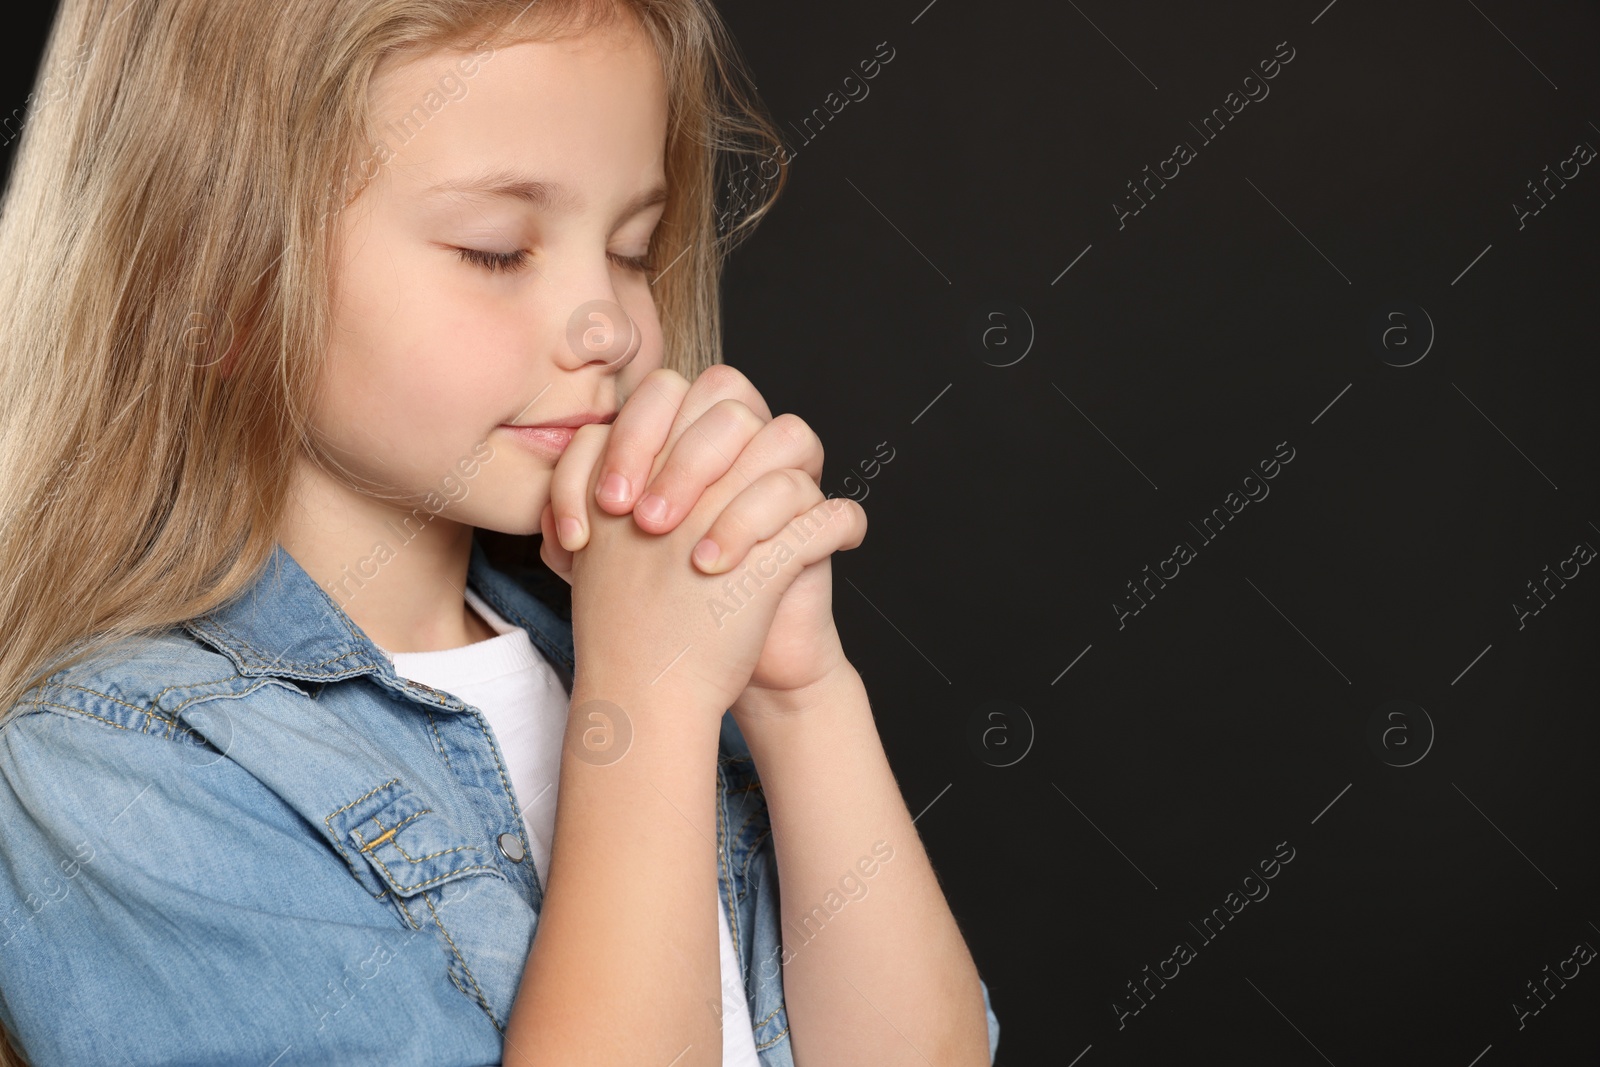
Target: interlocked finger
[786, 499]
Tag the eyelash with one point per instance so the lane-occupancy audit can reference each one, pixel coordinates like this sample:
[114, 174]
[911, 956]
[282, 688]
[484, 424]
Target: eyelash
[511, 262]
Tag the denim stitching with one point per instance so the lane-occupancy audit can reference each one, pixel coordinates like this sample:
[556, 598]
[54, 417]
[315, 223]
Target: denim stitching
[482, 1001]
[755, 849]
[722, 861]
[776, 1037]
[103, 696]
[195, 685]
[401, 902]
[66, 707]
[451, 971]
[206, 623]
[501, 770]
[173, 722]
[408, 888]
[390, 875]
[373, 857]
[362, 797]
[418, 859]
[146, 712]
[388, 837]
[388, 832]
[334, 837]
[754, 846]
[433, 724]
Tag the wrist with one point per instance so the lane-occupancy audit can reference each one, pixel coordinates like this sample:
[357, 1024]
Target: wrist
[604, 703]
[835, 688]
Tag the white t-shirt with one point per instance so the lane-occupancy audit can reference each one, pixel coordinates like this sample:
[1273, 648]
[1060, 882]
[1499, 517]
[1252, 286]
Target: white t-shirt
[514, 686]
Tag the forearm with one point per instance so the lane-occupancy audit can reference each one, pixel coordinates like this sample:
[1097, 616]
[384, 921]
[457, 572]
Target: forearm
[625, 958]
[875, 970]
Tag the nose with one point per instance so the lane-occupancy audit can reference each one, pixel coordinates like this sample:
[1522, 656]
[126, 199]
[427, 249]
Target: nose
[600, 332]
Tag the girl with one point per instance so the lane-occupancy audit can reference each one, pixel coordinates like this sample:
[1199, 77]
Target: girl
[299, 295]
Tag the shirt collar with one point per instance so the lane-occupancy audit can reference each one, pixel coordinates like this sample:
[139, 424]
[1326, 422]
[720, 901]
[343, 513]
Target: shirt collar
[287, 625]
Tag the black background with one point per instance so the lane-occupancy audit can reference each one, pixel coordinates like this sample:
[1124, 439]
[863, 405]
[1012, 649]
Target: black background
[1150, 764]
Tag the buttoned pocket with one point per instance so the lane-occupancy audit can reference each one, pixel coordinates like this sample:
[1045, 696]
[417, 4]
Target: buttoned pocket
[398, 846]
[434, 871]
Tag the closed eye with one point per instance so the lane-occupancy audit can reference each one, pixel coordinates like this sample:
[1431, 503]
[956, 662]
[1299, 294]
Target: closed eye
[517, 259]
[643, 264]
[494, 262]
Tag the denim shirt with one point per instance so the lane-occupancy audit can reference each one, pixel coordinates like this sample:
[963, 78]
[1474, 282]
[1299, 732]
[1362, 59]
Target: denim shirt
[248, 841]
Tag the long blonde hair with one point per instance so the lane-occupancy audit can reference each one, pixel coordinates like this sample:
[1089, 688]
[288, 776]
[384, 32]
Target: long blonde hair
[167, 213]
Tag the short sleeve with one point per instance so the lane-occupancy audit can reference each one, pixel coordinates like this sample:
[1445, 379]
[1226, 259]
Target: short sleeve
[159, 904]
[994, 1023]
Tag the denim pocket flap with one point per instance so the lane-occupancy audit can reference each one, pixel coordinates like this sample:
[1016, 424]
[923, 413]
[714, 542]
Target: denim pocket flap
[406, 845]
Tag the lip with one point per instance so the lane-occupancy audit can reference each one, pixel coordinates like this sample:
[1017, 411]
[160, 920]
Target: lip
[583, 418]
[550, 439]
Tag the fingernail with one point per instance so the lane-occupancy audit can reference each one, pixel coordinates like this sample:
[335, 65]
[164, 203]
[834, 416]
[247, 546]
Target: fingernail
[706, 552]
[652, 507]
[568, 531]
[615, 490]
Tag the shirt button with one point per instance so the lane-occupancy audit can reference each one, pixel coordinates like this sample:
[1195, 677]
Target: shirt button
[510, 847]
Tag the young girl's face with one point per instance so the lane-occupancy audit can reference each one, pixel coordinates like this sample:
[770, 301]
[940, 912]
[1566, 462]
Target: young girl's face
[435, 351]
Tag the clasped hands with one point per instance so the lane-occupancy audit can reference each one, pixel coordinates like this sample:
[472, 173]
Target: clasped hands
[671, 440]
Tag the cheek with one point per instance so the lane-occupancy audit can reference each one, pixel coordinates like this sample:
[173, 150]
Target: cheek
[404, 397]
[408, 364]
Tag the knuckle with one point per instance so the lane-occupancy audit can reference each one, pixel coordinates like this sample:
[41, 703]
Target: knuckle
[721, 378]
[664, 376]
[797, 432]
[737, 413]
[732, 529]
[722, 375]
[661, 386]
[796, 482]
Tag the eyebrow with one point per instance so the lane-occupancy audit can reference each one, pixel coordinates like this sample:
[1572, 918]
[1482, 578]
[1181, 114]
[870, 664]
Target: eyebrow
[544, 195]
